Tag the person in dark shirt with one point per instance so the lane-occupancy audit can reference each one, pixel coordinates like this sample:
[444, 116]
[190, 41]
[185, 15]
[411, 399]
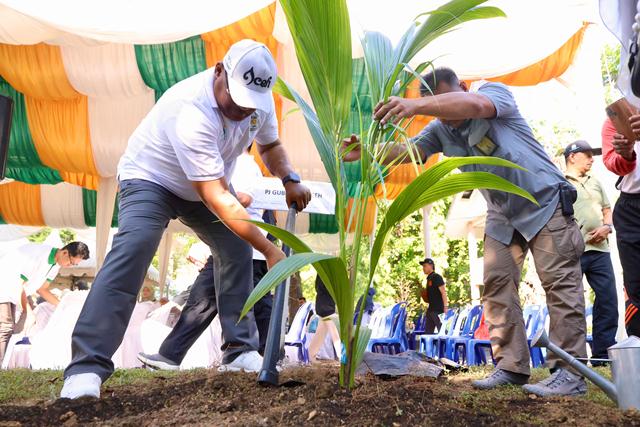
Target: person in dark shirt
[435, 295]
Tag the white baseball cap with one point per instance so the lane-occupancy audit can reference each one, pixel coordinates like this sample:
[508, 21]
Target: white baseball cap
[251, 73]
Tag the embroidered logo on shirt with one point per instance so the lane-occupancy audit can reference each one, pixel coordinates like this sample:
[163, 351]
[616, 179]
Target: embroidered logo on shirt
[253, 124]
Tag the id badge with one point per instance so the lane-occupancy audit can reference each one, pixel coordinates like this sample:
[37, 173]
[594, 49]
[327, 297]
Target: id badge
[486, 146]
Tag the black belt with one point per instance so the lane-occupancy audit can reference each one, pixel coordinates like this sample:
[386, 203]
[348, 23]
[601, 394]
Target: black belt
[629, 195]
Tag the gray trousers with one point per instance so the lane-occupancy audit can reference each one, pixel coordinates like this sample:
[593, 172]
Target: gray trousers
[145, 211]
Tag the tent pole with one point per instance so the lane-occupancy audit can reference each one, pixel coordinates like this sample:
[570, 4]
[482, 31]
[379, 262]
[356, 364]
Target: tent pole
[106, 196]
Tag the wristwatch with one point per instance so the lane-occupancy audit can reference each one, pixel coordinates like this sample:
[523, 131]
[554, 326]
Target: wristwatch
[610, 226]
[292, 177]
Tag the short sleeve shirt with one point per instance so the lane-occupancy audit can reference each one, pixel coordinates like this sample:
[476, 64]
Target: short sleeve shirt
[32, 264]
[588, 208]
[186, 138]
[507, 136]
[434, 281]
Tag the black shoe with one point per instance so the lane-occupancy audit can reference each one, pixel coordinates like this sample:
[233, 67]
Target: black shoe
[500, 377]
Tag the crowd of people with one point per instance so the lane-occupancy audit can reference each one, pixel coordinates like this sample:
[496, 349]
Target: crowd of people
[180, 163]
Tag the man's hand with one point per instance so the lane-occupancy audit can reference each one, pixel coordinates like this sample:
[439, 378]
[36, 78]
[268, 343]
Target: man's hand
[622, 146]
[634, 122]
[273, 255]
[598, 235]
[350, 150]
[297, 193]
[395, 109]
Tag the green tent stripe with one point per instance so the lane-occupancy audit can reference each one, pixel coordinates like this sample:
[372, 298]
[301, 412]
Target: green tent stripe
[2, 221]
[23, 162]
[359, 120]
[319, 223]
[163, 65]
[89, 207]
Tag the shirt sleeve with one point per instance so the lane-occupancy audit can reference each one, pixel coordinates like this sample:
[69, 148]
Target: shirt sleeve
[268, 132]
[427, 140]
[612, 160]
[605, 199]
[438, 281]
[53, 273]
[194, 138]
[502, 99]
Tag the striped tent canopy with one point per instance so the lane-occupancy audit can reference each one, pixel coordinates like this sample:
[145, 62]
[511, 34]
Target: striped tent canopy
[83, 78]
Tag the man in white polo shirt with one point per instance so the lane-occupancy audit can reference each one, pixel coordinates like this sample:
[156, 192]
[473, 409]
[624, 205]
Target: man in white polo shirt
[29, 270]
[177, 165]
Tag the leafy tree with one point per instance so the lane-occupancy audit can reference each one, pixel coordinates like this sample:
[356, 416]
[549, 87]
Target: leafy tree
[40, 236]
[609, 62]
[67, 236]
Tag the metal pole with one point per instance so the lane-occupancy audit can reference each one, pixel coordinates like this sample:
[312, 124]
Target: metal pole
[275, 338]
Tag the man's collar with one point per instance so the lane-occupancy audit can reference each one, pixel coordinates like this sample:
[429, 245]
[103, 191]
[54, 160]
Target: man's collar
[570, 175]
[52, 256]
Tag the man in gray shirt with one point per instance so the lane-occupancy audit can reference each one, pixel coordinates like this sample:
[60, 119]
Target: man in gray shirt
[488, 123]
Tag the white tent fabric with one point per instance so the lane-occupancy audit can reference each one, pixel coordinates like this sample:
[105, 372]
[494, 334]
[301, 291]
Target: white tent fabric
[13, 233]
[479, 49]
[118, 97]
[118, 21]
[63, 204]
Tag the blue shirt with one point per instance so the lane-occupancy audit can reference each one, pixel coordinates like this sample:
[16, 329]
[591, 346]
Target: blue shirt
[507, 136]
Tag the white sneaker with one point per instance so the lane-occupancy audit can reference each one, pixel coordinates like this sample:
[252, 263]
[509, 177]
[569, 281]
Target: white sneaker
[249, 361]
[81, 385]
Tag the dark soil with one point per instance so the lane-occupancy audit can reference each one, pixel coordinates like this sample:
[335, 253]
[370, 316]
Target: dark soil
[311, 398]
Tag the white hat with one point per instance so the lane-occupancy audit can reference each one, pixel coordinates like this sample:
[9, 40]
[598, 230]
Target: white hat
[251, 73]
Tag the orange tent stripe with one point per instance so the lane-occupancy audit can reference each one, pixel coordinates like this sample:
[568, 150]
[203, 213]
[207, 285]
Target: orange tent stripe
[20, 203]
[57, 114]
[36, 71]
[550, 67]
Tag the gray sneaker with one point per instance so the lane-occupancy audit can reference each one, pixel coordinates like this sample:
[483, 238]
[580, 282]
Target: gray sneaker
[500, 377]
[561, 383]
[157, 361]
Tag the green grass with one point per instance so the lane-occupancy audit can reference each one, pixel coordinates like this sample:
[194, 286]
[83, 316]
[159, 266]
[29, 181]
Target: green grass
[594, 394]
[25, 385]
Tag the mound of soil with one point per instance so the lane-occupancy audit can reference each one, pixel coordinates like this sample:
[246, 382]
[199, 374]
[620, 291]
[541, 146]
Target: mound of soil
[309, 396]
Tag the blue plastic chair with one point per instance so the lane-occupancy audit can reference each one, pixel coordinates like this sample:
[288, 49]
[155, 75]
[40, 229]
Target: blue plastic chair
[531, 315]
[468, 329]
[396, 342]
[379, 324]
[296, 336]
[537, 355]
[444, 343]
[426, 342]
[588, 315]
[420, 324]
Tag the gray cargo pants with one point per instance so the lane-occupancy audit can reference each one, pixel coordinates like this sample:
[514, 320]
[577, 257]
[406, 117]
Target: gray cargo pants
[145, 210]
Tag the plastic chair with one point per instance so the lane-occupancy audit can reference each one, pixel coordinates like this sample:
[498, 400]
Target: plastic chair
[396, 342]
[296, 336]
[588, 316]
[420, 324]
[537, 355]
[431, 343]
[460, 341]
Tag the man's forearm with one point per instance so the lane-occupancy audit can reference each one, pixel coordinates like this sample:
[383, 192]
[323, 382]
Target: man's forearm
[228, 209]
[607, 217]
[275, 159]
[456, 106]
[45, 293]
